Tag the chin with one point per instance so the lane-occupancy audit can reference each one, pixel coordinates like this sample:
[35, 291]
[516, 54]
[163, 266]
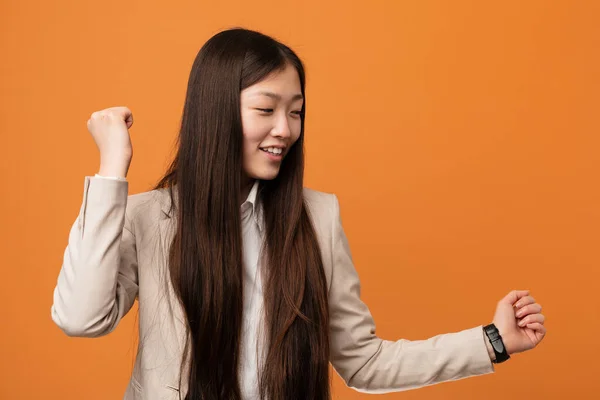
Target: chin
[266, 175]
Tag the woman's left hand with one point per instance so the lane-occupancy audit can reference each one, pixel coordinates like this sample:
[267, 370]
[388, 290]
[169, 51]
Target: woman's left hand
[520, 321]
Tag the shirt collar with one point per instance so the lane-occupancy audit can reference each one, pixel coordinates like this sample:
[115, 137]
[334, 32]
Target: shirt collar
[253, 201]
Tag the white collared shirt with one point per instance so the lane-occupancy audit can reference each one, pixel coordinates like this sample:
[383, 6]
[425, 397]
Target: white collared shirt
[252, 339]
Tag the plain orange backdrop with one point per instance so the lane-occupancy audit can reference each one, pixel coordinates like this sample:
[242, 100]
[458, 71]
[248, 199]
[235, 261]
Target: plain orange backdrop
[460, 136]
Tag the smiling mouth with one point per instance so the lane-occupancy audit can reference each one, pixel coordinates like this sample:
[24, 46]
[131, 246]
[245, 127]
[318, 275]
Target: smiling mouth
[273, 151]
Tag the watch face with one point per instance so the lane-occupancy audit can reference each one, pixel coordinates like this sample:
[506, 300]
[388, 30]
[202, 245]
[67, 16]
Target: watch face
[492, 332]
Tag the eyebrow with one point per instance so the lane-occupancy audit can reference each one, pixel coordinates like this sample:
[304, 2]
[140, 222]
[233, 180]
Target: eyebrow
[278, 97]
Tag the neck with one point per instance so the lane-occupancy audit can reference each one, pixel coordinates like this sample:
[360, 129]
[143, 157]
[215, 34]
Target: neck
[247, 183]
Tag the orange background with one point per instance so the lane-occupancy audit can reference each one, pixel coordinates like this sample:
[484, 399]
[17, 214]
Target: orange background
[461, 139]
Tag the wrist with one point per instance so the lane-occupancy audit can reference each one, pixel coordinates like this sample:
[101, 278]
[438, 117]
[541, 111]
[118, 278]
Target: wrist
[107, 172]
[113, 169]
[495, 341]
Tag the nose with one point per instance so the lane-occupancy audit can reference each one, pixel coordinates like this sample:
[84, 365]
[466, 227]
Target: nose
[282, 127]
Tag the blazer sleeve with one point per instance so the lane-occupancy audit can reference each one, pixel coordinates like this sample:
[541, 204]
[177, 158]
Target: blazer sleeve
[98, 281]
[373, 365]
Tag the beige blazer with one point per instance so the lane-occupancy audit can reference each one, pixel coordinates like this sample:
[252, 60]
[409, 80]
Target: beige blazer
[117, 252]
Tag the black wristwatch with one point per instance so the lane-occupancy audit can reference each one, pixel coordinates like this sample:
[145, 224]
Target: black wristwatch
[497, 344]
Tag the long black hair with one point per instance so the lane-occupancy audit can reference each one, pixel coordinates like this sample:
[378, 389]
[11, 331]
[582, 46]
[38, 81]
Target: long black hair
[205, 258]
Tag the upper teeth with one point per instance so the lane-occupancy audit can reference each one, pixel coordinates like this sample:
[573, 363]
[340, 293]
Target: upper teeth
[273, 150]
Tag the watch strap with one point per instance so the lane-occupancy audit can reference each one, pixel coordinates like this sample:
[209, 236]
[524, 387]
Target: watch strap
[497, 344]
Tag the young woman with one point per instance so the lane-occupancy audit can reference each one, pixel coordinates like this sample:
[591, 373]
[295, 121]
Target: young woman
[244, 278]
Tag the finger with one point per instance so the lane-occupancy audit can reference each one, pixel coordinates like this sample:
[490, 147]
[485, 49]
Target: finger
[539, 318]
[524, 301]
[512, 297]
[129, 121]
[124, 112]
[528, 309]
[540, 330]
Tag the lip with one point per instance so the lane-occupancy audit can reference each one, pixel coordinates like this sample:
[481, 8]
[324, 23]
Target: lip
[275, 146]
[272, 157]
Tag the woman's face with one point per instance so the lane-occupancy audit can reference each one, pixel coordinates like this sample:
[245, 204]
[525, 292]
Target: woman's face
[271, 122]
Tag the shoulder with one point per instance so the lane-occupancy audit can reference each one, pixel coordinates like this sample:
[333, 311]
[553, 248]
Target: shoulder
[155, 204]
[322, 206]
[146, 208]
[316, 198]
